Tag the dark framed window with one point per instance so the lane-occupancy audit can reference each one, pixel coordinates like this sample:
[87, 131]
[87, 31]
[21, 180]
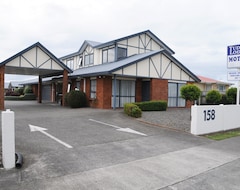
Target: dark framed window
[174, 95]
[125, 92]
[88, 59]
[121, 53]
[108, 55]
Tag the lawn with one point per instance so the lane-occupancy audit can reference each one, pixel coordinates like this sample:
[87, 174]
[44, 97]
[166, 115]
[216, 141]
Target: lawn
[224, 134]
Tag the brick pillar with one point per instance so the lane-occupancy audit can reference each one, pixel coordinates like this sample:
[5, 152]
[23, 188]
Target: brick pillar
[104, 92]
[159, 89]
[39, 89]
[87, 88]
[2, 71]
[65, 86]
[138, 90]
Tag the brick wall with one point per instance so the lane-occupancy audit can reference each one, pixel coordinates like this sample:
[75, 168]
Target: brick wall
[138, 90]
[159, 89]
[104, 92]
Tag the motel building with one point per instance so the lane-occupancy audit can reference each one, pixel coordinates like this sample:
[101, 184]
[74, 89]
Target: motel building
[135, 68]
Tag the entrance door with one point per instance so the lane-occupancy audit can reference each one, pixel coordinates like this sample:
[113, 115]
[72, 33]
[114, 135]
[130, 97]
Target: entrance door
[145, 91]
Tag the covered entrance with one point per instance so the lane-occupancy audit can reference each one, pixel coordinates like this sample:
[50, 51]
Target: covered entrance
[34, 60]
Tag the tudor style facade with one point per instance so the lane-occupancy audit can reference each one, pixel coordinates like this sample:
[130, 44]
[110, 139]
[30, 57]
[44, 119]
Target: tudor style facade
[139, 67]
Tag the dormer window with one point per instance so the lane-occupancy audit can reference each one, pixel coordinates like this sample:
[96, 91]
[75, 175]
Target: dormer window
[108, 55]
[121, 53]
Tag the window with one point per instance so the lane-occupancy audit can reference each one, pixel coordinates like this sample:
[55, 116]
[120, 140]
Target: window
[108, 55]
[93, 88]
[174, 95]
[125, 92]
[208, 87]
[88, 59]
[121, 53]
[70, 64]
[221, 88]
[80, 64]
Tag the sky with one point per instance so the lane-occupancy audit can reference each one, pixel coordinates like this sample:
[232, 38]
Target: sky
[198, 31]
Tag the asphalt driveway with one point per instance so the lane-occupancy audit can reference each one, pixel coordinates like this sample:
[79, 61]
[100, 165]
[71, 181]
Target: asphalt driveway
[107, 150]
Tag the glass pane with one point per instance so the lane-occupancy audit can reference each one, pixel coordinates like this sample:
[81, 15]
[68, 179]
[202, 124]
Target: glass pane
[111, 55]
[91, 59]
[121, 53]
[172, 90]
[87, 59]
[104, 56]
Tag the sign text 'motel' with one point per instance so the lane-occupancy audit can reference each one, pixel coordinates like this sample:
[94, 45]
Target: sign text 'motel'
[233, 56]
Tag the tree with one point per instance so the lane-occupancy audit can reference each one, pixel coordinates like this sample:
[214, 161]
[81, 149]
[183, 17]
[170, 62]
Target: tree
[231, 95]
[190, 92]
[213, 97]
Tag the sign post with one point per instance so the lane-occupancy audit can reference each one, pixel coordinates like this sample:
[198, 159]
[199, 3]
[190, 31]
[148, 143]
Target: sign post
[233, 62]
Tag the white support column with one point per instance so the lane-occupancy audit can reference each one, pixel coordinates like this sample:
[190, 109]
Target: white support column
[8, 139]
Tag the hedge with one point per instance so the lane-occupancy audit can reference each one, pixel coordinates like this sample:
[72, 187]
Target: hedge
[132, 110]
[152, 105]
[28, 96]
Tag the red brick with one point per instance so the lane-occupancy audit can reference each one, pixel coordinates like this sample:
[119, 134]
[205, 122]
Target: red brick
[159, 89]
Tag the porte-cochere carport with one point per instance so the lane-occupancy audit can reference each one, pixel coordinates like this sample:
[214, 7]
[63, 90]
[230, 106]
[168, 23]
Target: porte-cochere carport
[34, 60]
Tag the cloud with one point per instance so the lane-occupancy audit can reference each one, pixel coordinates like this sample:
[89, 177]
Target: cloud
[198, 31]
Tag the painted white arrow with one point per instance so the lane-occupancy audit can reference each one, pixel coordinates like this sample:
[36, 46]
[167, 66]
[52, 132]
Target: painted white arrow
[43, 131]
[127, 130]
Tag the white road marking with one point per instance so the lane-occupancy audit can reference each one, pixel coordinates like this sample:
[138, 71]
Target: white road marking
[128, 130]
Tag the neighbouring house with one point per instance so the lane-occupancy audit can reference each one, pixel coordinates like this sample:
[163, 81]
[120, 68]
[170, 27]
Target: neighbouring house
[207, 84]
[135, 68]
[11, 86]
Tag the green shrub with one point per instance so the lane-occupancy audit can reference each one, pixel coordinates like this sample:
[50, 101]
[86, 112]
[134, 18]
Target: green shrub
[136, 112]
[231, 95]
[76, 99]
[213, 97]
[132, 110]
[27, 90]
[152, 105]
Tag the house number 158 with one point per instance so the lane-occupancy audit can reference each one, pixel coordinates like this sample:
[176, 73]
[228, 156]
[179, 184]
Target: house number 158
[209, 115]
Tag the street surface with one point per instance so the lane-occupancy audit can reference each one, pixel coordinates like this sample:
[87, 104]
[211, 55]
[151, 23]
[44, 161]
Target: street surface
[105, 149]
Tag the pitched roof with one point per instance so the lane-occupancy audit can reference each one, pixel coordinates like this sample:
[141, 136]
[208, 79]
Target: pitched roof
[81, 49]
[20, 70]
[109, 43]
[211, 81]
[154, 37]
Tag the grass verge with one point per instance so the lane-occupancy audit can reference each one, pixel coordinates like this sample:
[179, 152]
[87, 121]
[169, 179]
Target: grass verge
[224, 134]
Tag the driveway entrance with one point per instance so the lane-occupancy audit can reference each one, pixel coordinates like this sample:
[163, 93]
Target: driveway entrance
[97, 142]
